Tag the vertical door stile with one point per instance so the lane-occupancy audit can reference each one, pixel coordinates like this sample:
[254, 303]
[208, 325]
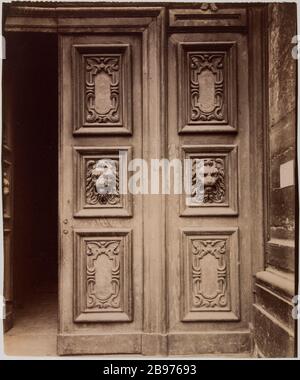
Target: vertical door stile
[154, 339]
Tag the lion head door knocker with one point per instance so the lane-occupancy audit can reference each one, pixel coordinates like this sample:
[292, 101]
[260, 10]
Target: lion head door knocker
[211, 179]
[102, 182]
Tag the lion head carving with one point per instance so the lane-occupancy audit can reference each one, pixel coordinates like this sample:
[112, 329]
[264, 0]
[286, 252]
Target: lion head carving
[213, 180]
[102, 182]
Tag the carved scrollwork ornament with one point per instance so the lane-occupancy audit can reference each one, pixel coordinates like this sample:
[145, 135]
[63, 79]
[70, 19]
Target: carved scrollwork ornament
[108, 296]
[211, 67]
[201, 297]
[109, 66]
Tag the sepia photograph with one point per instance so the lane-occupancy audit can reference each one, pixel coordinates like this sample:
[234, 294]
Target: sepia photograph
[149, 183]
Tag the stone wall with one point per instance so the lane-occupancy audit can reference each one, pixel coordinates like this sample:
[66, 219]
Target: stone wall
[273, 323]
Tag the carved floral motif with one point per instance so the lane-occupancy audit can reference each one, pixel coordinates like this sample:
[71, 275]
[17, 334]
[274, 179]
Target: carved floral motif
[206, 87]
[102, 182]
[209, 293]
[214, 180]
[108, 92]
[106, 294]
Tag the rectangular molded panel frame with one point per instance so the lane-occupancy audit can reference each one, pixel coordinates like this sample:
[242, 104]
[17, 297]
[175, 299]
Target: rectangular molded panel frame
[81, 126]
[81, 312]
[124, 210]
[230, 155]
[229, 83]
[188, 314]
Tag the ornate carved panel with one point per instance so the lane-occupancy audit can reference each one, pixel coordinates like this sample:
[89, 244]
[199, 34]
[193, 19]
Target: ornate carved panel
[98, 178]
[102, 89]
[210, 276]
[103, 275]
[207, 99]
[209, 293]
[220, 180]
[206, 87]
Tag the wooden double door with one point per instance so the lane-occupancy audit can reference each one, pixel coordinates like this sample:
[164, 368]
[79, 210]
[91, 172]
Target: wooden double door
[154, 273]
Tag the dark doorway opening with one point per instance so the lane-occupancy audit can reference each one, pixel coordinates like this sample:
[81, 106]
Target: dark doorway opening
[30, 80]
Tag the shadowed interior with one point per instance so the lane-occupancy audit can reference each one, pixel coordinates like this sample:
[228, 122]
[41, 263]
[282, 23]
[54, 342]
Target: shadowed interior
[31, 86]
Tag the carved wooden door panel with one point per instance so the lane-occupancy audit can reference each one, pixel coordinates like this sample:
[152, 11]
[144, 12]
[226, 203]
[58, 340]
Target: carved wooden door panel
[110, 95]
[208, 242]
[99, 234]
